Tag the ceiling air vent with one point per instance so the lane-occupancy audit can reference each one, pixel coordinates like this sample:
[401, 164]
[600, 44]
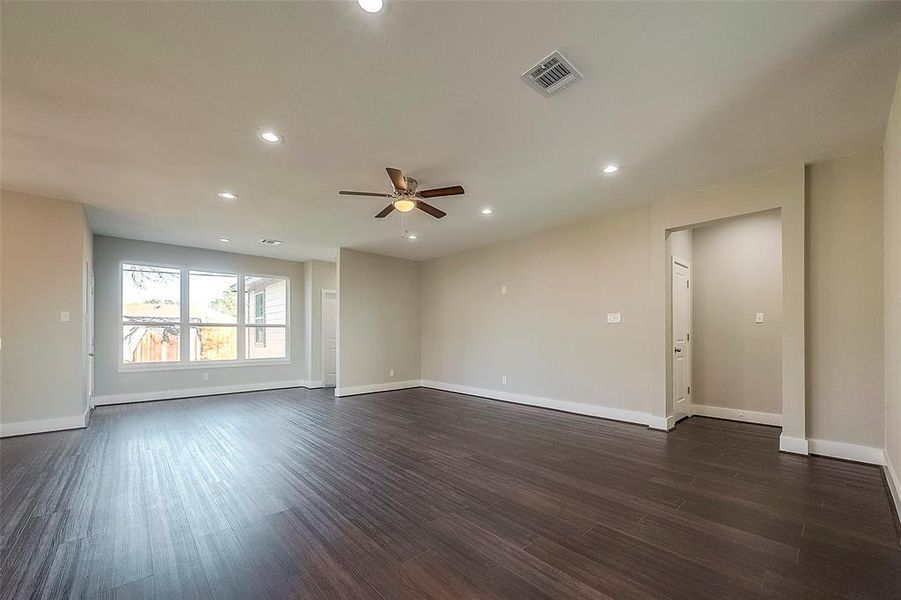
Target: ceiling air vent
[552, 74]
[270, 242]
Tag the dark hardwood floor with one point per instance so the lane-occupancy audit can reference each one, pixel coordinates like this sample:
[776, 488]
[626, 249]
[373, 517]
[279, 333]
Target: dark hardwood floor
[426, 494]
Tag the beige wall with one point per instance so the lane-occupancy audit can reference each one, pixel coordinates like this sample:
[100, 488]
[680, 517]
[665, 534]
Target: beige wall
[892, 272]
[378, 321]
[548, 334]
[737, 272]
[845, 300]
[42, 272]
[318, 275]
[115, 386]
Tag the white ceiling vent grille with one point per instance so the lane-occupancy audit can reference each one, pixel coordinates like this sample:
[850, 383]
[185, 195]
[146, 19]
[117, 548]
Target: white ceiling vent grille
[552, 74]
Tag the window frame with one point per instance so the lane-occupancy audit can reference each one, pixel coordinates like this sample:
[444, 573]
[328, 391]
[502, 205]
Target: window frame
[184, 324]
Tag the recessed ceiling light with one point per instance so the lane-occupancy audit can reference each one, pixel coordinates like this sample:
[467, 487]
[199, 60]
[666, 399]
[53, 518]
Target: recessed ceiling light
[228, 195]
[412, 236]
[487, 211]
[611, 169]
[225, 240]
[371, 6]
[270, 136]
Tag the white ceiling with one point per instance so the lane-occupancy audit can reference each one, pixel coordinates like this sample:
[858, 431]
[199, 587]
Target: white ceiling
[144, 111]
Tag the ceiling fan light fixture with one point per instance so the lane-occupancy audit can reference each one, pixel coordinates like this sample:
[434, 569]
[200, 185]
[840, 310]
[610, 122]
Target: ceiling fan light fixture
[404, 204]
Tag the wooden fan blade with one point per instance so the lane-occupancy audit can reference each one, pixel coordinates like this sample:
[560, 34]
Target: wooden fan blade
[435, 212]
[385, 212]
[376, 194]
[454, 190]
[397, 179]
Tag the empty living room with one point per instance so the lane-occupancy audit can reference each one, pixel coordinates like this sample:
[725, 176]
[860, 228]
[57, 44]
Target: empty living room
[408, 299]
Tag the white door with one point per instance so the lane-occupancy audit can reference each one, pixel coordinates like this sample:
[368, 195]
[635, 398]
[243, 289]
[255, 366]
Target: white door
[89, 333]
[329, 337]
[681, 338]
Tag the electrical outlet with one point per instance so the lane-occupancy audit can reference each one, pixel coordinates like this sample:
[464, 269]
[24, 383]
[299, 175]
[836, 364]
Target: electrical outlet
[614, 318]
[758, 318]
[503, 290]
[65, 316]
[390, 372]
[504, 379]
[205, 376]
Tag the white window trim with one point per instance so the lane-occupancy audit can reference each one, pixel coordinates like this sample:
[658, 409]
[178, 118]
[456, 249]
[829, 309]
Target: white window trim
[184, 353]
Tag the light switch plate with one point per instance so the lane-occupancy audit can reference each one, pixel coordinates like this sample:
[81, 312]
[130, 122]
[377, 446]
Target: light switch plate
[758, 318]
[503, 290]
[65, 316]
[614, 318]
[390, 372]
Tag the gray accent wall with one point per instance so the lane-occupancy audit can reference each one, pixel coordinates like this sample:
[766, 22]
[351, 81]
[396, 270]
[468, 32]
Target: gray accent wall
[115, 385]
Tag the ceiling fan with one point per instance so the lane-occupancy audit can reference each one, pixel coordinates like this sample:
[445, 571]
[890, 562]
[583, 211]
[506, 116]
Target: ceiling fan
[405, 197]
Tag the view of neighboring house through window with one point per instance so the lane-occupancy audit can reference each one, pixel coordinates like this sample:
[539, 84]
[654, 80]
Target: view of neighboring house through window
[224, 316]
[266, 306]
[214, 316]
[151, 314]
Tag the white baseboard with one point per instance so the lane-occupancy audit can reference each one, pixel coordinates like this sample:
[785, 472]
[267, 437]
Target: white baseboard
[894, 484]
[376, 387]
[864, 454]
[314, 384]
[734, 414]
[44, 425]
[661, 423]
[580, 408]
[792, 445]
[195, 392]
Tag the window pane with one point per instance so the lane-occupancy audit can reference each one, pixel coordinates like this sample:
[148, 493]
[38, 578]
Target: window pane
[151, 294]
[214, 343]
[265, 300]
[214, 297]
[148, 344]
[266, 342]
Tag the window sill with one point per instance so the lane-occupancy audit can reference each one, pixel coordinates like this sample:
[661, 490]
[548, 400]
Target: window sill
[218, 364]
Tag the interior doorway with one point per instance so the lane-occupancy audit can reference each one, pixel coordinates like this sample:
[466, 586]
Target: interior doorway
[329, 337]
[724, 327]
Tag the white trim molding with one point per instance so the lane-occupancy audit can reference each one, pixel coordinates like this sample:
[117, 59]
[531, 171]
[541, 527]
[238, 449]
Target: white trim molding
[792, 445]
[736, 414]
[661, 423]
[314, 385]
[579, 408]
[341, 392]
[44, 425]
[864, 454]
[196, 392]
[894, 484]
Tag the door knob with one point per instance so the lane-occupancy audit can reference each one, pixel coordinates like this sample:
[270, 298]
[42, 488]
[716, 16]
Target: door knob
[678, 349]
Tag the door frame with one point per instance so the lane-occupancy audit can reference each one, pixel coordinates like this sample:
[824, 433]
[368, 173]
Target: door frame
[322, 337]
[678, 260]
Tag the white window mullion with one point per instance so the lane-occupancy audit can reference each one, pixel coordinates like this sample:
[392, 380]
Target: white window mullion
[242, 338]
[184, 354]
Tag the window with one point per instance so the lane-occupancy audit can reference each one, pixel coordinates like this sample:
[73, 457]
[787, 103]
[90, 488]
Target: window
[259, 317]
[151, 314]
[266, 305]
[214, 316]
[222, 317]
